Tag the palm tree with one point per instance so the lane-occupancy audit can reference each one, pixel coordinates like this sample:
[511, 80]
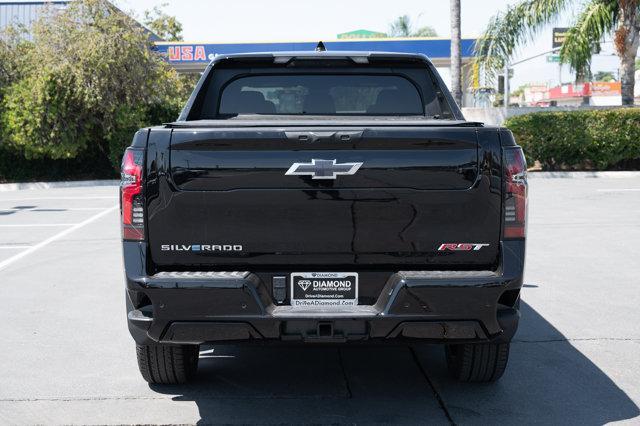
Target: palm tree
[403, 27]
[506, 32]
[456, 61]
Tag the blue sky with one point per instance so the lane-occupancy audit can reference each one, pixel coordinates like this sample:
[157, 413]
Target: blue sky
[278, 20]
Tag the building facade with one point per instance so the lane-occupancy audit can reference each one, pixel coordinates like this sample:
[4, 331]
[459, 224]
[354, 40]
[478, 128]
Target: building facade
[23, 13]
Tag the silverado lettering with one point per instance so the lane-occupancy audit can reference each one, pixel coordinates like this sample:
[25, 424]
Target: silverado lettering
[341, 197]
[201, 247]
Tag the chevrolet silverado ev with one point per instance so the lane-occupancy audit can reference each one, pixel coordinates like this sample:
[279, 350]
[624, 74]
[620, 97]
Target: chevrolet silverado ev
[323, 197]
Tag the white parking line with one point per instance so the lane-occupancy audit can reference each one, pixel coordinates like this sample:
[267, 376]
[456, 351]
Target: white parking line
[13, 247]
[106, 197]
[30, 225]
[47, 209]
[619, 190]
[57, 236]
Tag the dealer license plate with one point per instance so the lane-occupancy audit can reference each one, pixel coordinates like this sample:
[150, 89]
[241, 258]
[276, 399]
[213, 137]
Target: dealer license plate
[324, 290]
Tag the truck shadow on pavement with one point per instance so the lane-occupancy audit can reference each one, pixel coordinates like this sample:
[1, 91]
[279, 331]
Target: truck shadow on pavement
[548, 381]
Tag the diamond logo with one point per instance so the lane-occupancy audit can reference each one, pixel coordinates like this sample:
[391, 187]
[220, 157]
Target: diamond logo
[304, 284]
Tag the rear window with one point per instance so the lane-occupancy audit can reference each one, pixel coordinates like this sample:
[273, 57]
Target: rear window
[324, 94]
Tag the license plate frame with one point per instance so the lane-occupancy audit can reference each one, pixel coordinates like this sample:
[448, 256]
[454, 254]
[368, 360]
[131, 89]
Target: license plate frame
[324, 290]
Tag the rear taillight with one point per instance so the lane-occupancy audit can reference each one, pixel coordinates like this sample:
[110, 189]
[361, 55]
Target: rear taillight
[515, 201]
[132, 198]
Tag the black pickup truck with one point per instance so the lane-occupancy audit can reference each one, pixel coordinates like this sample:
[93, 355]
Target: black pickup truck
[323, 197]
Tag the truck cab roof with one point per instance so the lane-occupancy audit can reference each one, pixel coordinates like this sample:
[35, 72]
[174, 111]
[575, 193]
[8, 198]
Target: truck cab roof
[355, 56]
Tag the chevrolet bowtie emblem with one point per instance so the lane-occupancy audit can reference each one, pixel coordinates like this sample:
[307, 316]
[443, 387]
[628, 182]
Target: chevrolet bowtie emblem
[323, 169]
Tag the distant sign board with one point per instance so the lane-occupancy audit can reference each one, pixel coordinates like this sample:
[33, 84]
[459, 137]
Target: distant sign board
[559, 36]
[553, 58]
[605, 88]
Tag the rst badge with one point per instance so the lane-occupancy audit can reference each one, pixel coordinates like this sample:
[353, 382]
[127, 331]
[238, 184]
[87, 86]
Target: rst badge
[462, 246]
[323, 169]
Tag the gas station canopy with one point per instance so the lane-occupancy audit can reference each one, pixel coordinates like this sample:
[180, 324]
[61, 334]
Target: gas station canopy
[194, 57]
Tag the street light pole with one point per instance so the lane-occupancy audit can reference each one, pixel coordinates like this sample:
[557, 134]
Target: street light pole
[506, 89]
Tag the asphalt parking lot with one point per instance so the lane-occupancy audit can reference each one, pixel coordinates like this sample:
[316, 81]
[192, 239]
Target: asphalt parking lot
[66, 356]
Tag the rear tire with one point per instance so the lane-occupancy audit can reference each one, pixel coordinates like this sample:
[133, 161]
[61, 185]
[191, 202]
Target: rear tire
[167, 364]
[477, 362]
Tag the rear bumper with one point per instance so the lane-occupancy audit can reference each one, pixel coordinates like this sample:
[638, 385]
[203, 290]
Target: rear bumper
[436, 306]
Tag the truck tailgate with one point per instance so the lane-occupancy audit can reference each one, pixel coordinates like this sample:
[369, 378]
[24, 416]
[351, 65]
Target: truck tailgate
[226, 200]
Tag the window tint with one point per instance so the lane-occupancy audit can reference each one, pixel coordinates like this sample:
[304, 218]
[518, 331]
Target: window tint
[321, 95]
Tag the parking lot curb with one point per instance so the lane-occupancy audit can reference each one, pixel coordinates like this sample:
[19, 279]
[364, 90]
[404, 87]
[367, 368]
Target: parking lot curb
[583, 175]
[18, 186]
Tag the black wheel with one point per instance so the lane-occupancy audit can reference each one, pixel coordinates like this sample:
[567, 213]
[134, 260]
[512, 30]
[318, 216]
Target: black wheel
[479, 362]
[167, 364]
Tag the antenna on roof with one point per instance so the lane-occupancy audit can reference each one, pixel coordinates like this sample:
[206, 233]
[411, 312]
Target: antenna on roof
[320, 47]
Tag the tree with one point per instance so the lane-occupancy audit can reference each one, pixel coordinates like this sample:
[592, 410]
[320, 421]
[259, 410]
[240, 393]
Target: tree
[9, 68]
[425, 31]
[403, 27]
[13, 50]
[88, 80]
[519, 92]
[507, 31]
[456, 59]
[604, 76]
[165, 26]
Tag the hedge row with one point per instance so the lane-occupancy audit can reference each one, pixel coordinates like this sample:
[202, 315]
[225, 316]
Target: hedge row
[90, 163]
[14, 167]
[580, 140]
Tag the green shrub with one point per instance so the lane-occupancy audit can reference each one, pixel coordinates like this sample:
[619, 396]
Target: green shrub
[45, 118]
[128, 120]
[579, 140]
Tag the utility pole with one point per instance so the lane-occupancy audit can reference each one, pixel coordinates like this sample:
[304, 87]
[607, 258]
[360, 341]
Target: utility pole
[456, 60]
